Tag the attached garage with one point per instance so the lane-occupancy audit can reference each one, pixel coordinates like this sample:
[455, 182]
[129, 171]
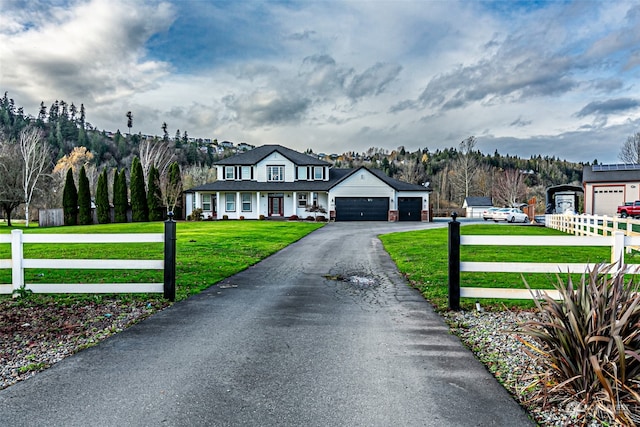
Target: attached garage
[362, 208]
[409, 208]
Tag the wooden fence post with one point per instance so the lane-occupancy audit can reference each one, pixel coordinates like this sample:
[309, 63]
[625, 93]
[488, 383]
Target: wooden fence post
[170, 258]
[454, 263]
[17, 259]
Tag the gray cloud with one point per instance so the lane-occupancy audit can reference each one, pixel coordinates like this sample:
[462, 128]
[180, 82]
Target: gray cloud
[498, 80]
[267, 108]
[372, 81]
[305, 35]
[519, 122]
[94, 52]
[610, 106]
[608, 85]
[322, 75]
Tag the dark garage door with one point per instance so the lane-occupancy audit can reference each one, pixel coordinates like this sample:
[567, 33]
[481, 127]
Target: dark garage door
[409, 208]
[362, 209]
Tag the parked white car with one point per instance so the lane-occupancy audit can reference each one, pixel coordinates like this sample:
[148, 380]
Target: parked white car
[510, 215]
[488, 214]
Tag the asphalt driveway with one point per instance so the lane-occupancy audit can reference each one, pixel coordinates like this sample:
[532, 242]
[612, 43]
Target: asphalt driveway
[323, 333]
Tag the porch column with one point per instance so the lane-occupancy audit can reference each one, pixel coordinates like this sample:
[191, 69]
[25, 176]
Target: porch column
[218, 205]
[238, 205]
[258, 204]
[295, 203]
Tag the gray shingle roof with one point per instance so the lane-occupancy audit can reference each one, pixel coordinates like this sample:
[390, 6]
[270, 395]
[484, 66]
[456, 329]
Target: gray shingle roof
[335, 177]
[252, 157]
[478, 201]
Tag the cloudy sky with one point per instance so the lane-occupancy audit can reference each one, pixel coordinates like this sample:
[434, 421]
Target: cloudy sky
[556, 78]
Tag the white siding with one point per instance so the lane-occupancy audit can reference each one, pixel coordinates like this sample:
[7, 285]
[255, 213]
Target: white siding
[424, 195]
[274, 159]
[361, 184]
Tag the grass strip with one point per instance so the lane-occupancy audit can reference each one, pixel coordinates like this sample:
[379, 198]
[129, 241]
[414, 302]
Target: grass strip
[207, 252]
[422, 256]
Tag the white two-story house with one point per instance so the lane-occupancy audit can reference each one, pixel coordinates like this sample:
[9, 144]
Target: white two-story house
[273, 181]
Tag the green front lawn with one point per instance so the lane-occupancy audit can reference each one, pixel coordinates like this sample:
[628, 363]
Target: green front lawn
[207, 252]
[423, 257]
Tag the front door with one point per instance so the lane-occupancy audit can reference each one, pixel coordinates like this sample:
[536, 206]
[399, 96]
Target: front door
[275, 206]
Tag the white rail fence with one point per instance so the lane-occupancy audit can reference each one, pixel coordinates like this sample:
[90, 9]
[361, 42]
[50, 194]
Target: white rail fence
[618, 243]
[18, 263]
[592, 225]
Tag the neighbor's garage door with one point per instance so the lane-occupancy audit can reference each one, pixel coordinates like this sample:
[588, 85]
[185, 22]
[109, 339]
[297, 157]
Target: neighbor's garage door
[607, 199]
[362, 208]
[409, 208]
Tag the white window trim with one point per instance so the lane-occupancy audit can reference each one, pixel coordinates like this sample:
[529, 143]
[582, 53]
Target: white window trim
[246, 169]
[204, 196]
[270, 175]
[242, 201]
[229, 200]
[228, 169]
[302, 197]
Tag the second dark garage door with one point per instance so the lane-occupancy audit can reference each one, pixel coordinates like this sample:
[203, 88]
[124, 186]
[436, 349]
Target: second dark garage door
[362, 208]
[409, 208]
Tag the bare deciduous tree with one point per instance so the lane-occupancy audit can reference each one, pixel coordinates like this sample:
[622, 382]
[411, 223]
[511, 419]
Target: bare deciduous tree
[509, 188]
[35, 156]
[630, 152]
[465, 168]
[156, 153]
[413, 171]
[195, 175]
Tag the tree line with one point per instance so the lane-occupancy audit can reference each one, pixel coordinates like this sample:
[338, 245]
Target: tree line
[71, 143]
[42, 162]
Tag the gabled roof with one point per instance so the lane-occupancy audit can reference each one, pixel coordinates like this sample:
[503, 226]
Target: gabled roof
[336, 176]
[254, 156]
[391, 182]
[478, 201]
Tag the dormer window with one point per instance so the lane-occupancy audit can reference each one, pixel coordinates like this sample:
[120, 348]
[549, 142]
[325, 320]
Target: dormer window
[318, 173]
[229, 172]
[275, 173]
[246, 172]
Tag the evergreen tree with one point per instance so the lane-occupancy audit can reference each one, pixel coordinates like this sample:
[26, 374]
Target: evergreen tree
[84, 199]
[139, 209]
[120, 200]
[102, 199]
[154, 195]
[70, 200]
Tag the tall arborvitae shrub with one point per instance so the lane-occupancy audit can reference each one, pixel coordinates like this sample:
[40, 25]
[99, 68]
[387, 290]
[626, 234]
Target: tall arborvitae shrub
[84, 199]
[154, 195]
[120, 200]
[70, 200]
[139, 209]
[174, 190]
[102, 199]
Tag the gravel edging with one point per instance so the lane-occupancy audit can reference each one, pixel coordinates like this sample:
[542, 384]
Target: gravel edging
[35, 334]
[493, 338]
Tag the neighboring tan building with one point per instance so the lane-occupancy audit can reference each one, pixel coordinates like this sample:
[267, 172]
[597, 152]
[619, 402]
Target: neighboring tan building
[608, 186]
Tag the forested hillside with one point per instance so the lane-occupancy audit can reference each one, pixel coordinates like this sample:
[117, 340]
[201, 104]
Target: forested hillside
[72, 142]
